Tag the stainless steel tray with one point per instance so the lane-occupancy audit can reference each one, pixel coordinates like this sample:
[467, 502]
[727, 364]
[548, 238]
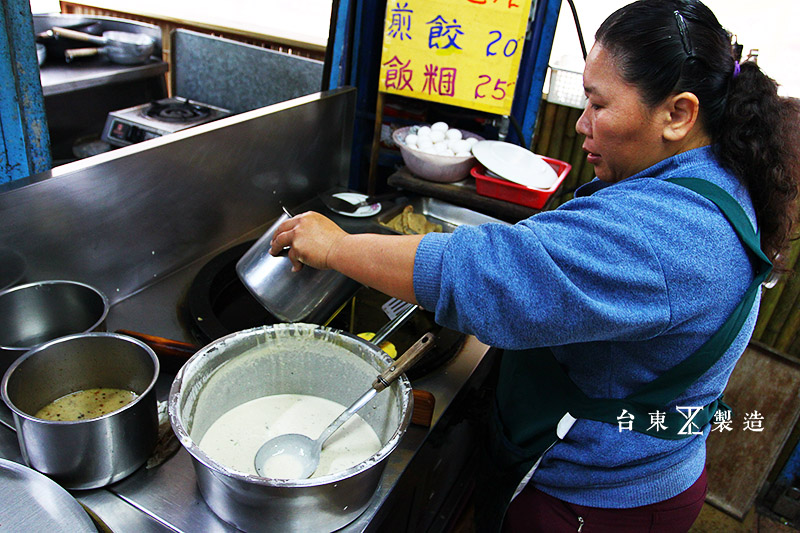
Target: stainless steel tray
[448, 215]
[33, 502]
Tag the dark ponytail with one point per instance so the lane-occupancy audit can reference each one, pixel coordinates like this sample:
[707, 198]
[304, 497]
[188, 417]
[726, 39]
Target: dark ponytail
[760, 144]
[664, 47]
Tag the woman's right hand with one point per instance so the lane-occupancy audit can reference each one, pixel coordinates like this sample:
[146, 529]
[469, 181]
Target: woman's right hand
[383, 262]
[310, 238]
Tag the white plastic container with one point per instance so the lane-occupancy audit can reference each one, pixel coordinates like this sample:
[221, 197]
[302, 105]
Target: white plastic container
[566, 87]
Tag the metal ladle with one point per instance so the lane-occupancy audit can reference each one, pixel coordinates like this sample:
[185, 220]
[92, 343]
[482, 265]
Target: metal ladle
[304, 451]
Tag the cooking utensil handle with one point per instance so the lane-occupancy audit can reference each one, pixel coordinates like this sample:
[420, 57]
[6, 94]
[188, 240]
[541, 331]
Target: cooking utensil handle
[345, 416]
[404, 362]
[72, 53]
[424, 403]
[79, 35]
[171, 354]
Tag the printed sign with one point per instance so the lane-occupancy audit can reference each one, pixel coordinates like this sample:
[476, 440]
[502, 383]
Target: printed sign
[459, 52]
[722, 421]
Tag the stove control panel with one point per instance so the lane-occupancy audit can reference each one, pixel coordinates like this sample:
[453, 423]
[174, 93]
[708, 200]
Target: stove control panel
[120, 132]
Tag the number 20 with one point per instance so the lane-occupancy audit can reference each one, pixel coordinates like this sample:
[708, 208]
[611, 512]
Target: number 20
[509, 49]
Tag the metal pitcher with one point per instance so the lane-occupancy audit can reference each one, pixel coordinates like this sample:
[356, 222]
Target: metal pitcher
[290, 296]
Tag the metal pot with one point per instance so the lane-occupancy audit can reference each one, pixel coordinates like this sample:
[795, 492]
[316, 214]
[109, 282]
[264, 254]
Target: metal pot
[41, 53]
[290, 296]
[121, 47]
[37, 312]
[282, 359]
[56, 45]
[89, 453]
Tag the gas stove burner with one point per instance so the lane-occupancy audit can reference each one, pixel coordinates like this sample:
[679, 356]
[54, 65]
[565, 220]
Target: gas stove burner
[161, 117]
[177, 111]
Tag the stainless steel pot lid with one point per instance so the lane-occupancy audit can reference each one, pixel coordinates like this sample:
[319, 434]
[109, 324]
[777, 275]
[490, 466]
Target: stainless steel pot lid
[34, 502]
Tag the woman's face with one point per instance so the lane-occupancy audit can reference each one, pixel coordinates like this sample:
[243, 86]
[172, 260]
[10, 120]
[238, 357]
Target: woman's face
[623, 136]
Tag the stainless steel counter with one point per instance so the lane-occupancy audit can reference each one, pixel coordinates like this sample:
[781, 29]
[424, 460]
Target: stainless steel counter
[140, 222]
[166, 498]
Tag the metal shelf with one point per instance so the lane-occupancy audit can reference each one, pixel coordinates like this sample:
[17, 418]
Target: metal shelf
[353, 59]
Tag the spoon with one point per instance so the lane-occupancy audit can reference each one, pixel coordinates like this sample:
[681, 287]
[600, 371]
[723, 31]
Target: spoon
[300, 453]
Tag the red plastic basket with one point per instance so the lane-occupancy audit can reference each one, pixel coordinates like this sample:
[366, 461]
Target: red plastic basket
[519, 194]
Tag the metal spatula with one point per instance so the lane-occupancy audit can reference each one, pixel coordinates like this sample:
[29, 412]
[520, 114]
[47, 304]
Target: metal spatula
[398, 312]
[395, 307]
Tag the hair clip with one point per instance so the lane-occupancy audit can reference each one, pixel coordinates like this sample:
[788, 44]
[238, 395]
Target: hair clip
[684, 32]
[736, 68]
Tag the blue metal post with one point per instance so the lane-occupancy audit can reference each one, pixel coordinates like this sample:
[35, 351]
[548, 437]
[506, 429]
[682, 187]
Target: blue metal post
[533, 68]
[340, 44]
[26, 142]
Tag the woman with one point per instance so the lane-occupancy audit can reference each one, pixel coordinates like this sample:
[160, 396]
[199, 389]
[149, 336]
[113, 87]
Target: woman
[629, 303]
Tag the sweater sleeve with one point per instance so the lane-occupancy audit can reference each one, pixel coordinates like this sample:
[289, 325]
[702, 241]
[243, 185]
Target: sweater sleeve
[582, 273]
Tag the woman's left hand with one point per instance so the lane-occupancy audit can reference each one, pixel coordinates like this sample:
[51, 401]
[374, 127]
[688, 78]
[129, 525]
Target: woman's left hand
[310, 238]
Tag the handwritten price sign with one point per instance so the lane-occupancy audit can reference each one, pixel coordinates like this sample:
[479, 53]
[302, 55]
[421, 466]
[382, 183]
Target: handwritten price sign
[460, 52]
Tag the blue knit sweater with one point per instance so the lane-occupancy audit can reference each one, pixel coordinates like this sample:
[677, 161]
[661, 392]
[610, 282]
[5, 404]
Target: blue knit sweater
[623, 281]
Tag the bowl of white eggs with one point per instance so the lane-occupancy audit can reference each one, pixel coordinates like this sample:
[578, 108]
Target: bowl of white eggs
[437, 152]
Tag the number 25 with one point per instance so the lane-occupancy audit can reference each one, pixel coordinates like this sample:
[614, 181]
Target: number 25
[498, 93]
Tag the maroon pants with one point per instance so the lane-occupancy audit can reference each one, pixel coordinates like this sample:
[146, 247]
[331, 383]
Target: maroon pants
[533, 510]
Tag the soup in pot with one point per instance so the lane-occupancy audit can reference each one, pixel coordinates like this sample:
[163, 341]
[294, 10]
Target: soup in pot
[235, 437]
[86, 404]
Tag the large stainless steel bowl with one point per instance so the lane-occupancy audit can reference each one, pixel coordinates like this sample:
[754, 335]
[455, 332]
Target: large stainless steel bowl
[38, 312]
[286, 359]
[88, 453]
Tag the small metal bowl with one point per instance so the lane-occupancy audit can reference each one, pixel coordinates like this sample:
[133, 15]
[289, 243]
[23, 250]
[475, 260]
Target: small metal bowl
[88, 453]
[38, 312]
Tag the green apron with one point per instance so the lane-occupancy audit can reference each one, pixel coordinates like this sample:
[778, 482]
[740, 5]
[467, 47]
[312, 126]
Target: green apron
[524, 427]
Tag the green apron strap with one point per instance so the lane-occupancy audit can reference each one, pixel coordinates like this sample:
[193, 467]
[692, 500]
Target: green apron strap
[668, 424]
[672, 383]
[534, 391]
[652, 398]
[732, 210]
